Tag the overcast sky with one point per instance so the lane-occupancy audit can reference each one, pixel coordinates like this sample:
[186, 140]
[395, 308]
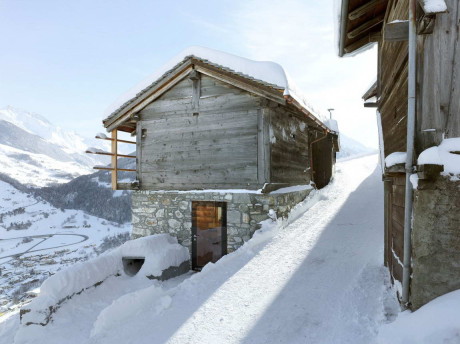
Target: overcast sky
[69, 60]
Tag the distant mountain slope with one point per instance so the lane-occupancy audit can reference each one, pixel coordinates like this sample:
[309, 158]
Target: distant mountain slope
[35, 152]
[350, 147]
[91, 193]
[68, 141]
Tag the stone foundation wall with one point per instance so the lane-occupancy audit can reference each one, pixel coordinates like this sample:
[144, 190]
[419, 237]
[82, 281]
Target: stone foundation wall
[171, 212]
[435, 240]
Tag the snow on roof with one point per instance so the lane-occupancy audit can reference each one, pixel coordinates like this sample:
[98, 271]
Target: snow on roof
[265, 72]
[434, 6]
[332, 124]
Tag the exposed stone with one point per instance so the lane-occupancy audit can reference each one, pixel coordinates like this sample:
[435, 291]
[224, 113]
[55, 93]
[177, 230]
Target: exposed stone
[170, 212]
[174, 224]
[436, 241]
[183, 205]
[241, 198]
[234, 216]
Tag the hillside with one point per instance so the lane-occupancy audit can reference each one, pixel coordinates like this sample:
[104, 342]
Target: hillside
[38, 153]
[38, 239]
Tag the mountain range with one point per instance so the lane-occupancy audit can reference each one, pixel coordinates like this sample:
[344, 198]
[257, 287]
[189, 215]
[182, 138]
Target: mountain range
[37, 153]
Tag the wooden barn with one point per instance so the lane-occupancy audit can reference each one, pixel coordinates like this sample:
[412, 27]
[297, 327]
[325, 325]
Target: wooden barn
[417, 97]
[221, 142]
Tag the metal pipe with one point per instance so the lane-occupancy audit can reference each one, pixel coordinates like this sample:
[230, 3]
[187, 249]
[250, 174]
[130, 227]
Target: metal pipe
[409, 151]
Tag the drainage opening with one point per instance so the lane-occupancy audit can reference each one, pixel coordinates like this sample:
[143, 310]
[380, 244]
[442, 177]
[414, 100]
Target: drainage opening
[132, 265]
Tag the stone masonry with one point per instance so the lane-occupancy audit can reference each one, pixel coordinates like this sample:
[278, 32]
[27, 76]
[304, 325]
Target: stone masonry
[171, 212]
[435, 240]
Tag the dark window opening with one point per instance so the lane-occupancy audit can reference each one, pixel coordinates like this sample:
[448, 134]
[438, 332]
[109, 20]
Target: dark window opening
[131, 266]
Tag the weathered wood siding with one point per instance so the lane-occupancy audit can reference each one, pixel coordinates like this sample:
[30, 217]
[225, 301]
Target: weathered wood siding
[392, 86]
[394, 224]
[438, 105]
[212, 145]
[438, 82]
[289, 147]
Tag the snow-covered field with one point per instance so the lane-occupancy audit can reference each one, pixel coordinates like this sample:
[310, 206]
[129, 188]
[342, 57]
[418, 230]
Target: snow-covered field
[37, 240]
[316, 277]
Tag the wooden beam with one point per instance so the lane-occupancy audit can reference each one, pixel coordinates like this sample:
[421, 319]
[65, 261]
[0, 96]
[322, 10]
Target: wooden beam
[370, 38]
[196, 90]
[371, 105]
[111, 154]
[110, 139]
[138, 150]
[425, 25]
[396, 31]
[234, 80]
[111, 169]
[114, 159]
[360, 11]
[429, 171]
[362, 29]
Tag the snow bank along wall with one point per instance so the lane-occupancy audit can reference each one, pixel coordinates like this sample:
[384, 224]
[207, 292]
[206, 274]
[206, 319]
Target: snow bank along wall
[162, 257]
[436, 209]
[204, 126]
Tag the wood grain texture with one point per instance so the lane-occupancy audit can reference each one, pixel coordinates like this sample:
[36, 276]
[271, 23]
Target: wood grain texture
[289, 147]
[186, 149]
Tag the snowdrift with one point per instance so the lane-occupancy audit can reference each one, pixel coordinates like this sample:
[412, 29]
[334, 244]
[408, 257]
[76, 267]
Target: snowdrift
[160, 252]
[436, 322]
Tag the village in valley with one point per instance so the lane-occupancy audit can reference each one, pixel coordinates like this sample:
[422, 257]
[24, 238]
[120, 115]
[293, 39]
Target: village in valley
[282, 173]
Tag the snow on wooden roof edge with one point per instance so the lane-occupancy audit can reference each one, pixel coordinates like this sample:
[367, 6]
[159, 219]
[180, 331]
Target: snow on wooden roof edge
[264, 72]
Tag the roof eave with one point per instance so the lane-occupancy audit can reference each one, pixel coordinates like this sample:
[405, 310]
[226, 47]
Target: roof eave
[343, 27]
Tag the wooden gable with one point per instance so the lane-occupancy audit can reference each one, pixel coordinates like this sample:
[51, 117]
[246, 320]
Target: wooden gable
[211, 142]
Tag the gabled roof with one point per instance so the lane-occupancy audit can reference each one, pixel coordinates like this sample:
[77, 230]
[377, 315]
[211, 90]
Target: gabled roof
[265, 78]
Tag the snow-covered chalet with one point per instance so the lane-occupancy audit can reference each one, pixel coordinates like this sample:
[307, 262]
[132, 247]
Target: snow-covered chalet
[222, 142]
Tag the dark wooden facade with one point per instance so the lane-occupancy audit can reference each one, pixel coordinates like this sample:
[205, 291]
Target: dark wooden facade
[437, 91]
[203, 128]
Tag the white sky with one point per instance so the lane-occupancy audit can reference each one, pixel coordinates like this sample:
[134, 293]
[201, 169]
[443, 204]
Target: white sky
[68, 61]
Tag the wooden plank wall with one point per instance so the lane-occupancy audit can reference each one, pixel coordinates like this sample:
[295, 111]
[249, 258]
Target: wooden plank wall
[289, 147]
[438, 82]
[395, 235]
[393, 70]
[438, 105]
[215, 146]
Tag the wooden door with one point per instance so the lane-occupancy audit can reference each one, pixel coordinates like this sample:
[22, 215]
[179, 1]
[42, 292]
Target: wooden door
[209, 232]
[323, 156]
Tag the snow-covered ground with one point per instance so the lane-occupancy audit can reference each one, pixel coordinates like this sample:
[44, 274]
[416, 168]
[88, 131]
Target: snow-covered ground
[37, 240]
[316, 278]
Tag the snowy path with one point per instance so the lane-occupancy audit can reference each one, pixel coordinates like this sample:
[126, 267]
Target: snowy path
[318, 280]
